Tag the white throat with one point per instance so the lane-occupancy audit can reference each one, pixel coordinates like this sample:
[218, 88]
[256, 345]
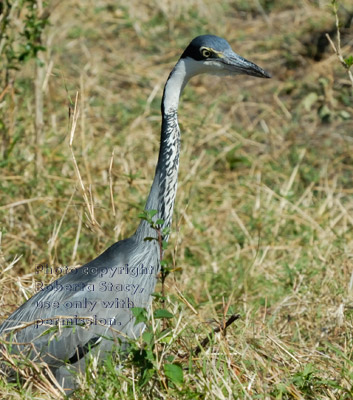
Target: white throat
[184, 69]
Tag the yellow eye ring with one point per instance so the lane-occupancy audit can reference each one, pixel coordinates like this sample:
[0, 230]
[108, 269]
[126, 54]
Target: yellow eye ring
[205, 53]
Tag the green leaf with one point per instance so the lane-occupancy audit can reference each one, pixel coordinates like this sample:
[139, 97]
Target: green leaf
[163, 333]
[150, 355]
[325, 113]
[174, 372]
[140, 314]
[147, 337]
[308, 369]
[166, 339]
[161, 313]
[158, 296]
[146, 376]
[160, 222]
[152, 213]
[349, 61]
[166, 231]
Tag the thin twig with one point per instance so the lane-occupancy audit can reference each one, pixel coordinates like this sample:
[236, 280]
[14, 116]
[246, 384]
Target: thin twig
[55, 234]
[219, 328]
[337, 49]
[183, 299]
[74, 251]
[162, 275]
[25, 201]
[89, 205]
[111, 182]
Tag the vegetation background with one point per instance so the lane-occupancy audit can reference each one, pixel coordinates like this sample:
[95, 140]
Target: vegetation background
[263, 222]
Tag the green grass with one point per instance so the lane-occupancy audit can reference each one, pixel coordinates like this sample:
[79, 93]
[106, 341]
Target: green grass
[263, 218]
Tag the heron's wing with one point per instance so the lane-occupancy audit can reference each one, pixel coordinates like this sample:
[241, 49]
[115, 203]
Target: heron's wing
[92, 302]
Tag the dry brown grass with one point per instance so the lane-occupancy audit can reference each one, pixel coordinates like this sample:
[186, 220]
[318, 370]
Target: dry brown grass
[263, 211]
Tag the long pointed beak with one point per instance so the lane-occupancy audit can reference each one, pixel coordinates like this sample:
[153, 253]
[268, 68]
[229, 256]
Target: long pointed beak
[239, 65]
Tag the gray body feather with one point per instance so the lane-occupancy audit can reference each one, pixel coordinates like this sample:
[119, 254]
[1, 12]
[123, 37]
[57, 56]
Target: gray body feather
[93, 301]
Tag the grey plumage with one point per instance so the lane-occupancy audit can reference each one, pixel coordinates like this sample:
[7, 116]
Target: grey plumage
[130, 265]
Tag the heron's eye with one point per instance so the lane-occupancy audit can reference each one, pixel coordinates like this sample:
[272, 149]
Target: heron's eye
[206, 53]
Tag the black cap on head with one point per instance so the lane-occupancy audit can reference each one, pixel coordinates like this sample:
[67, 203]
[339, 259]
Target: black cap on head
[211, 41]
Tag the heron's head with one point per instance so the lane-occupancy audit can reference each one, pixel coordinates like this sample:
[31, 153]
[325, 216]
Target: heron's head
[213, 55]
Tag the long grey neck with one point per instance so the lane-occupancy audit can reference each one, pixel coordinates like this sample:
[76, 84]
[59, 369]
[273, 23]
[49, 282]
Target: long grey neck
[164, 186]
